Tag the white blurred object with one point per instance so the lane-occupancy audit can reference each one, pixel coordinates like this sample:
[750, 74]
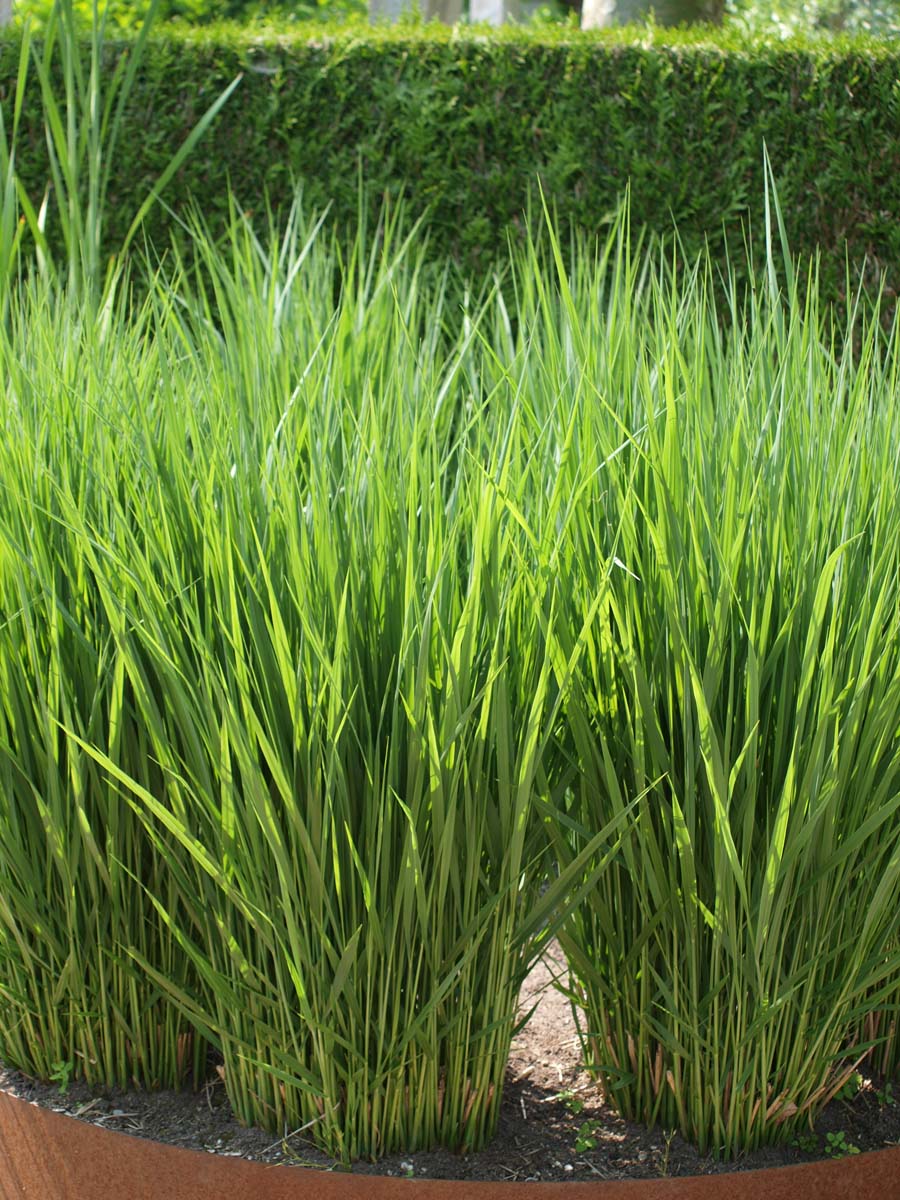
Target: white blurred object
[494, 12]
[448, 11]
[597, 14]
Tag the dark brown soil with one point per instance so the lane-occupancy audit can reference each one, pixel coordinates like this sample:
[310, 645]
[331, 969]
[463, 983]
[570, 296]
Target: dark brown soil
[553, 1126]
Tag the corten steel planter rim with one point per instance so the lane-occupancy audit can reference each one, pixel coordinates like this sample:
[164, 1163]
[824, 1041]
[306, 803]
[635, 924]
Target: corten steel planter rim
[47, 1156]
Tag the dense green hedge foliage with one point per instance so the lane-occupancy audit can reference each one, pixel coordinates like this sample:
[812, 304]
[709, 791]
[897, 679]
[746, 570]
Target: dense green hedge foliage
[465, 123]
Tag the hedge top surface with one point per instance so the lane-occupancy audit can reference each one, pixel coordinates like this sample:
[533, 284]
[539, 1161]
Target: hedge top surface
[730, 40]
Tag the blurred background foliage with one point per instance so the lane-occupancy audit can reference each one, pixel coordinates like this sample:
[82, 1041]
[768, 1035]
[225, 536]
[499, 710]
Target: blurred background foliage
[127, 15]
[789, 17]
[780, 17]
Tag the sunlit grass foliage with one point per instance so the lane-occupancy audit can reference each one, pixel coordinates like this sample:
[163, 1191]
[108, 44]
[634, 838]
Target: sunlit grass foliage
[280, 668]
[743, 678]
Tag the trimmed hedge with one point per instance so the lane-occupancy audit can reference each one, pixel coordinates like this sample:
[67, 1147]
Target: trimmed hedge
[464, 123]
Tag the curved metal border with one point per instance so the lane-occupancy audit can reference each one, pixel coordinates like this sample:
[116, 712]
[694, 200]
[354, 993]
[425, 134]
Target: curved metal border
[45, 1156]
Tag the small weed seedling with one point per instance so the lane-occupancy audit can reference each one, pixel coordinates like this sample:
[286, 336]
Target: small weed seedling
[885, 1096]
[837, 1146]
[850, 1089]
[586, 1138]
[62, 1074]
[807, 1142]
[668, 1137]
[572, 1102]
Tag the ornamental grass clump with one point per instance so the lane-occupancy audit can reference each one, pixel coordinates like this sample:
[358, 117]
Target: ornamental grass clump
[281, 662]
[741, 679]
[72, 1001]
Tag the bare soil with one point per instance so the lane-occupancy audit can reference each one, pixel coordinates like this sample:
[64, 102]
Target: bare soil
[553, 1125]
